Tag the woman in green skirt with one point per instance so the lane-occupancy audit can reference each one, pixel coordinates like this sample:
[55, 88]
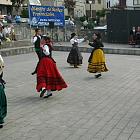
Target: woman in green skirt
[3, 101]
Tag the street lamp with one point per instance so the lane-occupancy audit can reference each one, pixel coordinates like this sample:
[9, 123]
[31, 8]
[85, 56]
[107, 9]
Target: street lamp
[90, 2]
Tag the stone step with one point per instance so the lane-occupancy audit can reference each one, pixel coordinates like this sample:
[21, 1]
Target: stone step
[29, 49]
[13, 44]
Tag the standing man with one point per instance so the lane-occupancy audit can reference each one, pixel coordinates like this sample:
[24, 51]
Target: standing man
[36, 41]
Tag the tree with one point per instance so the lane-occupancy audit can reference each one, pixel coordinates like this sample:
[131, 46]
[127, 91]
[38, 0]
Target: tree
[25, 13]
[100, 14]
[17, 4]
[70, 5]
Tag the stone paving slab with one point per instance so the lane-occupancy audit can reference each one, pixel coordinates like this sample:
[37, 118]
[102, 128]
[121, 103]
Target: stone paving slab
[89, 109]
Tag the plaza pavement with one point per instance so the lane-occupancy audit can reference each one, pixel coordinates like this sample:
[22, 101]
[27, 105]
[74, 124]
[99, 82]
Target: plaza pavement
[107, 108]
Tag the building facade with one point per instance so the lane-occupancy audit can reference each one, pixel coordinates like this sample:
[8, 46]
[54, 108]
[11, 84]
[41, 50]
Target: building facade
[134, 4]
[5, 7]
[92, 6]
[128, 4]
[80, 8]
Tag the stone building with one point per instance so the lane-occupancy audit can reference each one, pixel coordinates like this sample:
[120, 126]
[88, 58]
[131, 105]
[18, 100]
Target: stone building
[5, 7]
[92, 6]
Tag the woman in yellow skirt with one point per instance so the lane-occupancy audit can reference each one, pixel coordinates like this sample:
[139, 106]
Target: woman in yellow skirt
[97, 57]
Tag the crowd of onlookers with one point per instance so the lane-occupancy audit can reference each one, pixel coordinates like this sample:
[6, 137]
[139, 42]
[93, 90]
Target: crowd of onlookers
[7, 33]
[135, 36]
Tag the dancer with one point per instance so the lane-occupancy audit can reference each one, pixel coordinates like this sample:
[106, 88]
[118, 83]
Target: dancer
[97, 57]
[3, 100]
[36, 41]
[48, 76]
[75, 58]
[48, 42]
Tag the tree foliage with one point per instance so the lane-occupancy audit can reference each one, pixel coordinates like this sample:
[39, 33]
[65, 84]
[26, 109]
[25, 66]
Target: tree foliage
[101, 13]
[17, 2]
[70, 5]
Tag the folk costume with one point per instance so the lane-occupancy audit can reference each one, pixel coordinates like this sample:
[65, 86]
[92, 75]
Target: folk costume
[75, 58]
[97, 59]
[49, 43]
[37, 41]
[48, 76]
[3, 100]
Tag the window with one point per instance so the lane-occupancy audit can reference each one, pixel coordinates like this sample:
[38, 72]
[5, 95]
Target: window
[87, 1]
[108, 4]
[99, 1]
[136, 2]
[93, 1]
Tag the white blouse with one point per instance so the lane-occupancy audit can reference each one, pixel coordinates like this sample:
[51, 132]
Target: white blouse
[46, 50]
[76, 40]
[1, 64]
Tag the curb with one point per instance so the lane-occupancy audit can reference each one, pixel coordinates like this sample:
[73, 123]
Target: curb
[122, 51]
[30, 49]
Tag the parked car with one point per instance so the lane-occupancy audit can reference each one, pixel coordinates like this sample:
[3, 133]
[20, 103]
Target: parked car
[69, 22]
[101, 27]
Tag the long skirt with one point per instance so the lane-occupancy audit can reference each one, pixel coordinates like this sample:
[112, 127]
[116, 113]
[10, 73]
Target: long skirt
[48, 76]
[97, 63]
[3, 104]
[75, 57]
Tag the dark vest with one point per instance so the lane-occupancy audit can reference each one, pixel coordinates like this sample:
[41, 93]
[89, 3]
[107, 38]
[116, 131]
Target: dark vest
[37, 43]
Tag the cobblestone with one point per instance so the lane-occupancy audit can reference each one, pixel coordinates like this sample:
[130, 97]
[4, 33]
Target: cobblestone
[89, 109]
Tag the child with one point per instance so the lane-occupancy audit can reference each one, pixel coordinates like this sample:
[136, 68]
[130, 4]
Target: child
[3, 100]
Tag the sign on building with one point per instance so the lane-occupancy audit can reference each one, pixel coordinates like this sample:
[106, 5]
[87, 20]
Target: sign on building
[43, 15]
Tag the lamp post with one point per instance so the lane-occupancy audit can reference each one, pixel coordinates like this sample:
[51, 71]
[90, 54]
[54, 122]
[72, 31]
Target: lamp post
[90, 2]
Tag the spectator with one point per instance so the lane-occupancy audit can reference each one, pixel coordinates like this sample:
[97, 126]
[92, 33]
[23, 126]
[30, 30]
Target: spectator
[132, 36]
[7, 38]
[9, 18]
[1, 17]
[85, 23]
[5, 30]
[18, 19]
[1, 34]
[138, 36]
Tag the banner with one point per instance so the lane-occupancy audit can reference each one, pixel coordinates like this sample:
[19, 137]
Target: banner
[42, 15]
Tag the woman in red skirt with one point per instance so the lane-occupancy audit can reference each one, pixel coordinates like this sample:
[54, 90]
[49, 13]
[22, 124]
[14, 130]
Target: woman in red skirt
[48, 76]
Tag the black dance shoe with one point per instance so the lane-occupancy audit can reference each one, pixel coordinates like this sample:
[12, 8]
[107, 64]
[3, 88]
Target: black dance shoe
[1, 126]
[47, 96]
[33, 73]
[98, 75]
[42, 93]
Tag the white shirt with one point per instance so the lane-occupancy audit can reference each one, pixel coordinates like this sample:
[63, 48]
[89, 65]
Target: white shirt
[76, 40]
[35, 38]
[1, 64]
[46, 50]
